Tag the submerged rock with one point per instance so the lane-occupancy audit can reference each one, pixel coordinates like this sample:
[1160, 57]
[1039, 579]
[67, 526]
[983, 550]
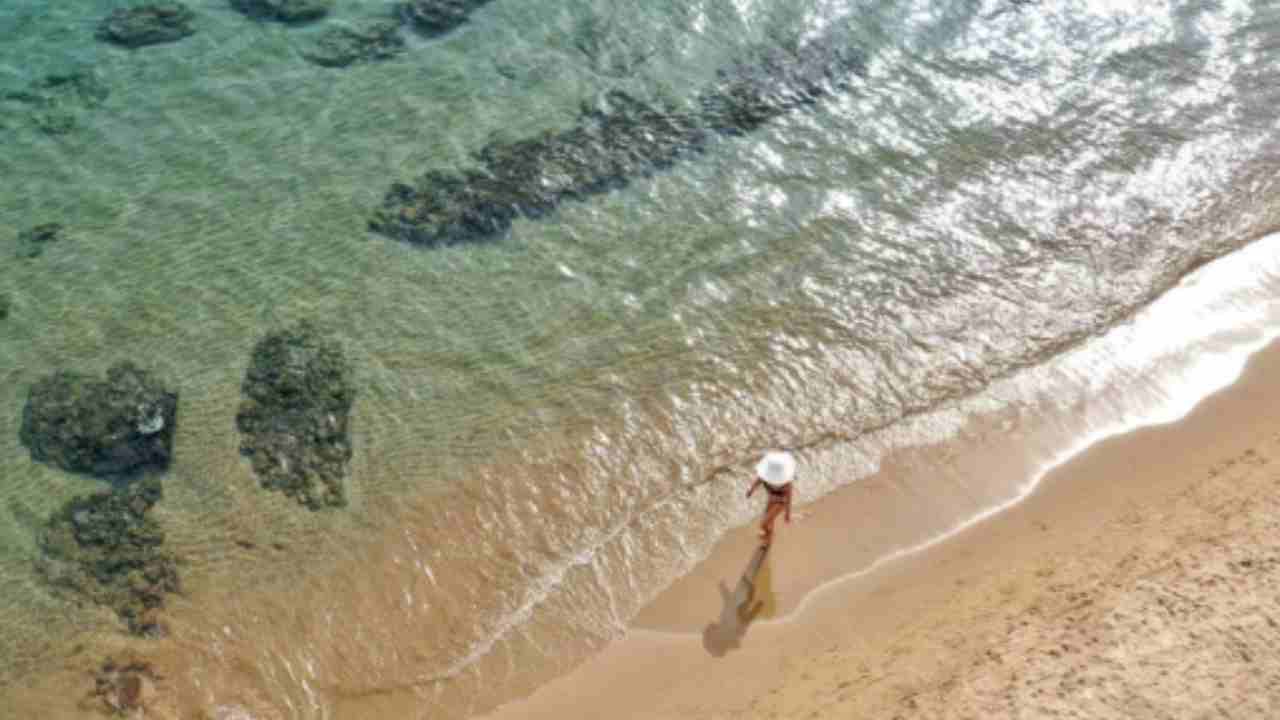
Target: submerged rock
[82, 87]
[32, 242]
[622, 139]
[5, 303]
[774, 81]
[149, 24]
[83, 424]
[294, 419]
[435, 17]
[367, 42]
[55, 103]
[286, 11]
[124, 686]
[104, 547]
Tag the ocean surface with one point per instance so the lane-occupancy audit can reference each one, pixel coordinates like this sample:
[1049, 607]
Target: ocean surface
[554, 423]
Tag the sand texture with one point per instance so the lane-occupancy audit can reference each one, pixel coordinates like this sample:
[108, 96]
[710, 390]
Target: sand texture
[1184, 622]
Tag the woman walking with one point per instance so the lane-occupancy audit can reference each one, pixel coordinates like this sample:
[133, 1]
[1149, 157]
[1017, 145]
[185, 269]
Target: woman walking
[775, 472]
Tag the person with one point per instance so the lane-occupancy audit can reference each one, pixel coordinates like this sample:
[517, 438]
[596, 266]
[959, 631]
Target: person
[774, 472]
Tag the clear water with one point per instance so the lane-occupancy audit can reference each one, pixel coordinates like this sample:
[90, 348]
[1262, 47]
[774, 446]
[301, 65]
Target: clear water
[551, 427]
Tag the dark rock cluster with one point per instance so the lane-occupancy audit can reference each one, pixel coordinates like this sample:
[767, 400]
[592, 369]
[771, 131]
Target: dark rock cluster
[105, 548]
[56, 102]
[149, 24]
[622, 139]
[436, 17]
[286, 11]
[366, 42]
[124, 686]
[80, 423]
[294, 418]
[32, 241]
[5, 304]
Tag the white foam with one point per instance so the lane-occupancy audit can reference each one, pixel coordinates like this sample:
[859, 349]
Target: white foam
[1198, 338]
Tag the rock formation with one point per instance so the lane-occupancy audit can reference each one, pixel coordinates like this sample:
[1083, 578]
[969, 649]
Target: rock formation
[366, 42]
[103, 547]
[622, 139]
[435, 17]
[149, 24]
[79, 423]
[294, 419]
[285, 11]
[124, 686]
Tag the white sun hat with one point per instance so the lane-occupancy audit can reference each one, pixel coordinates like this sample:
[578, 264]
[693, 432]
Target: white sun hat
[776, 468]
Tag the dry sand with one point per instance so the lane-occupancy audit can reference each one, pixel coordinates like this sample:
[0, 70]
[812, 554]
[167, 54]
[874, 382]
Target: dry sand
[1140, 580]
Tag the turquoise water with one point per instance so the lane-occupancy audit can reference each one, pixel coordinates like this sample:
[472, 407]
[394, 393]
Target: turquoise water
[1006, 180]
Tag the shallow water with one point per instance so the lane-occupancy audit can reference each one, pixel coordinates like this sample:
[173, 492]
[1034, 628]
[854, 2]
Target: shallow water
[550, 427]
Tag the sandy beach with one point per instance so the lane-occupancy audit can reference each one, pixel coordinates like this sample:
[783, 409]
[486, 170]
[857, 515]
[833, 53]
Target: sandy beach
[1140, 579]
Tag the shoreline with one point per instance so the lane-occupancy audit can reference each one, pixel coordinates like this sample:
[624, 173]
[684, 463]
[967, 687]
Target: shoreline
[670, 665]
[1116, 505]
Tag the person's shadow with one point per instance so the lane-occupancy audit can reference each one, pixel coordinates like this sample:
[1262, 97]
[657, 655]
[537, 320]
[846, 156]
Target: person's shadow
[741, 607]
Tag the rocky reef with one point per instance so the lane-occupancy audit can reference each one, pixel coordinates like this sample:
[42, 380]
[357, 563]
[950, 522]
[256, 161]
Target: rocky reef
[436, 17]
[32, 241]
[295, 416]
[369, 41]
[285, 11]
[149, 24]
[56, 103]
[103, 547]
[121, 425]
[621, 139]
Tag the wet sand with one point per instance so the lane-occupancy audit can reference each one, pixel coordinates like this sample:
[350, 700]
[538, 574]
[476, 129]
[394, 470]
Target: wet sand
[1140, 579]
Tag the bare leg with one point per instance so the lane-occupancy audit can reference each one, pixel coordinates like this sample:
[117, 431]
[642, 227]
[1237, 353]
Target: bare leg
[771, 513]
